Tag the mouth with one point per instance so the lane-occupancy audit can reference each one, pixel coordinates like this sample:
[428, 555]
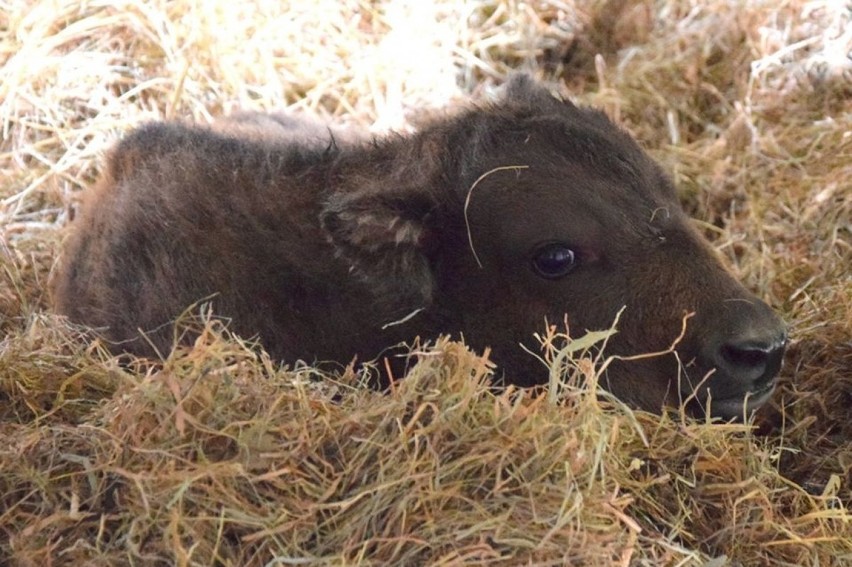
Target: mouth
[740, 407]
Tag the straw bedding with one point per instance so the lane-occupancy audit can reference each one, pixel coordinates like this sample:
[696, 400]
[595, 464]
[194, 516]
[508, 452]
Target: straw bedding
[219, 456]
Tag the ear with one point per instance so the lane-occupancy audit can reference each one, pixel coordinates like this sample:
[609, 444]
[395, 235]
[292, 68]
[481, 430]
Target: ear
[522, 88]
[386, 236]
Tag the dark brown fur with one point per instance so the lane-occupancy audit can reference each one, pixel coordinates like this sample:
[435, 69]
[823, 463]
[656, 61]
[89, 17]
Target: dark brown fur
[316, 246]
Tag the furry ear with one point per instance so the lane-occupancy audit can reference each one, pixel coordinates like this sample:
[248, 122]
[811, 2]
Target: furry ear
[386, 237]
[522, 88]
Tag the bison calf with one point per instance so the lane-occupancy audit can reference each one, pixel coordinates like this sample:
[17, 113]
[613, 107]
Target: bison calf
[483, 224]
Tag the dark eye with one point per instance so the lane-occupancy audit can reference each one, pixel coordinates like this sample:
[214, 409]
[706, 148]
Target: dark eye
[553, 260]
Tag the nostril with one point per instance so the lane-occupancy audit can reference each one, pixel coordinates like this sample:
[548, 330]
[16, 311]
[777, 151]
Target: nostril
[745, 356]
[755, 360]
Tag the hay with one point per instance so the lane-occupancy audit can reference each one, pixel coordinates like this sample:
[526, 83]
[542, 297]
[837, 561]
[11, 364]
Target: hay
[219, 456]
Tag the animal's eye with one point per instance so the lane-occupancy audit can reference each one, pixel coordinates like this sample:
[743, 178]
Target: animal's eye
[553, 260]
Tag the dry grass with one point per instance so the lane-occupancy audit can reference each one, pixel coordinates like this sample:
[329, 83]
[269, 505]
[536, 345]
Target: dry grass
[218, 456]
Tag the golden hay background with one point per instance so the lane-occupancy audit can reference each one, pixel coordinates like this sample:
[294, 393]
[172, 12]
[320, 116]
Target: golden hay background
[219, 457]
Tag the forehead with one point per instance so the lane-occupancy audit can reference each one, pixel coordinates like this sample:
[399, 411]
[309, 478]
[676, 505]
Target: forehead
[571, 165]
[545, 184]
[583, 140]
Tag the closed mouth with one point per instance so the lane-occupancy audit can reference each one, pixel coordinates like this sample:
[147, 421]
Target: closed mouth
[741, 406]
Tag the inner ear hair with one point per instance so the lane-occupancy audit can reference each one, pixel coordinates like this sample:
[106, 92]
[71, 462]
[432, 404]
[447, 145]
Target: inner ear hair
[385, 239]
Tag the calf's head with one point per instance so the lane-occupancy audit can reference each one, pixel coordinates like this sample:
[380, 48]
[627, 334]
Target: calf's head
[534, 209]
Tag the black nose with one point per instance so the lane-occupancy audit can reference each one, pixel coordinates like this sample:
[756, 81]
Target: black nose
[741, 355]
[754, 362]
